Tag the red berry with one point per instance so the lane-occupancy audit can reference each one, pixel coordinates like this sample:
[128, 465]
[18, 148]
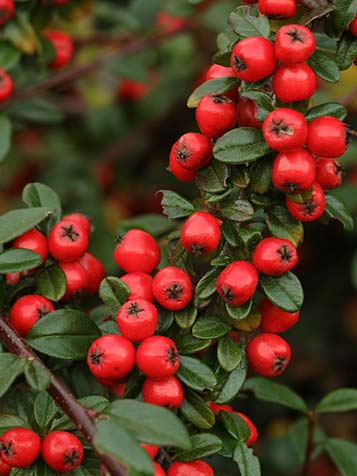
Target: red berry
[253, 59]
[13, 278]
[294, 82]
[151, 450]
[294, 171]
[62, 451]
[132, 91]
[81, 220]
[27, 311]
[63, 46]
[268, 354]
[119, 389]
[285, 129]
[328, 173]
[5, 469]
[253, 436]
[172, 288]
[327, 137]
[7, 10]
[6, 82]
[137, 319]
[60, 2]
[67, 241]
[94, 269]
[166, 22]
[237, 283]
[158, 470]
[76, 279]
[216, 407]
[275, 256]
[215, 115]
[192, 151]
[19, 447]
[194, 468]
[294, 44]
[34, 241]
[140, 285]
[278, 8]
[181, 173]
[276, 320]
[311, 209]
[166, 393]
[158, 358]
[111, 357]
[217, 71]
[249, 2]
[353, 26]
[137, 251]
[247, 114]
[201, 233]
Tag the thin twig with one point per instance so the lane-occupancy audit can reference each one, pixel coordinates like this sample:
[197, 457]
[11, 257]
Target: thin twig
[310, 443]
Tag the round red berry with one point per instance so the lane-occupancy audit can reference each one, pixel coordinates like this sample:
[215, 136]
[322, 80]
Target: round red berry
[294, 44]
[158, 471]
[201, 233]
[181, 173]
[276, 320]
[172, 288]
[152, 450]
[285, 129]
[157, 357]
[328, 173]
[294, 171]
[278, 8]
[193, 468]
[7, 10]
[311, 209]
[62, 451]
[67, 241]
[137, 319]
[294, 82]
[165, 393]
[247, 114]
[275, 256]
[140, 285]
[237, 283]
[268, 354]
[94, 269]
[253, 59]
[253, 435]
[215, 115]
[327, 137]
[81, 220]
[353, 26]
[137, 251]
[119, 389]
[192, 151]
[111, 357]
[19, 447]
[27, 311]
[34, 241]
[217, 71]
[76, 280]
[6, 83]
[5, 469]
[216, 407]
[63, 46]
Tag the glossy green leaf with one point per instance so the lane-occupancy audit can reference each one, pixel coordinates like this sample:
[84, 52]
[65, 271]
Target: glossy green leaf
[40, 195]
[240, 146]
[45, 409]
[238, 210]
[96, 403]
[195, 374]
[16, 222]
[229, 353]
[213, 86]
[284, 291]
[239, 312]
[340, 400]
[9, 55]
[190, 345]
[51, 282]
[37, 377]
[175, 206]
[113, 292]
[282, 225]
[213, 179]
[235, 426]
[344, 13]
[206, 286]
[230, 383]
[15, 260]
[196, 411]
[186, 317]
[324, 66]
[5, 137]
[262, 101]
[346, 51]
[203, 444]
[210, 327]
[248, 463]
[336, 208]
[8, 421]
[247, 25]
[11, 367]
[328, 109]
[343, 454]
[261, 175]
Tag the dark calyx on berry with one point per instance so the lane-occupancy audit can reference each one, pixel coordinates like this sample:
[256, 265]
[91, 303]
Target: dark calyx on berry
[172, 355]
[227, 294]
[71, 458]
[239, 64]
[70, 232]
[285, 253]
[96, 357]
[296, 36]
[174, 291]
[281, 128]
[134, 309]
[279, 364]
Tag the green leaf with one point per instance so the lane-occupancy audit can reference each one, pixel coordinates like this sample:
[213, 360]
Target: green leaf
[230, 383]
[238, 210]
[175, 206]
[261, 176]
[203, 444]
[282, 225]
[344, 13]
[155, 224]
[328, 109]
[113, 292]
[45, 409]
[39, 195]
[324, 66]
[343, 454]
[250, 239]
[319, 12]
[341, 400]
[149, 423]
[65, 334]
[213, 179]
[16, 222]
[18, 259]
[269, 391]
[235, 426]
[196, 411]
[335, 208]
[210, 327]
[217, 86]
[96, 403]
[284, 291]
[239, 312]
[240, 146]
[51, 282]
[36, 110]
[9, 55]
[248, 463]
[37, 377]
[5, 138]
[186, 317]
[190, 345]
[346, 51]
[11, 367]
[229, 354]
[206, 286]
[196, 375]
[262, 100]
[7, 422]
[248, 25]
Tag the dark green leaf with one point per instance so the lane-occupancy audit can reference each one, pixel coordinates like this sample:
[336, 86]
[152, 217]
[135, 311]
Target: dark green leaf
[239, 210]
[344, 13]
[5, 138]
[37, 377]
[213, 179]
[250, 238]
[196, 375]
[113, 292]
[196, 411]
[240, 146]
[261, 176]
[186, 318]
[45, 409]
[346, 50]
[206, 286]
[282, 225]
[316, 13]
[210, 327]
[36, 110]
[343, 454]
[11, 367]
[51, 282]
[230, 232]
[284, 291]
[248, 25]
[239, 312]
[190, 345]
[96, 403]
[18, 259]
[7, 422]
[341, 400]
[335, 208]
[39, 195]
[324, 66]
[229, 354]
[203, 444]
[328, 109]
[230, 383]
[235, 426]
[217, 86]
[248, 463]
[262, 100]
[16, 222]
[9, 55]
[240, 176]
[175, 206]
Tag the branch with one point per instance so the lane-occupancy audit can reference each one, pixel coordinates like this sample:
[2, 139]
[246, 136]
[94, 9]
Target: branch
[310, 443]
[312, 4]
[352, 132]
[65, 400]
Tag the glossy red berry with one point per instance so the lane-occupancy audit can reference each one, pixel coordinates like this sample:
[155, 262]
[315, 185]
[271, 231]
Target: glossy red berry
[119, 389]
[193, 468]
[294, 44]
[328, 173]
[111, 357]
[137, 251]
[253, 59]
[152, 450]
[253, 436]
[7, 10]
[137, 319]
[19, 447]
[312, 209]
[217, 71]
[278, 8]
[140, 285]
[276, 320]
[81, 219]
[353, 26]
[133, 91]
[67, 241]
[294, 82]
[201, 233]
[268, 354]
[34, 241]
[63, 46]
[216, 407]
[285, 129]
[172, 288]
[294, 171]
[327, 137]
[192, 151]
[95, 271]
[237, 283]
[275, 256]
[157, 357]
[5, 469]
[181, 173]
[215, 115]
[76, 280]
[247, 114]
[165, 393]
[27, 311]
[158, 471]
[62, 451]
[6, 82]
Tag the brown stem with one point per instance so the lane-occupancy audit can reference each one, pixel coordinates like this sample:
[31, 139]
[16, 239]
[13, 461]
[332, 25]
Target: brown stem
[310, 443]
[352, 133]
[65, 400]
[312, 4]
